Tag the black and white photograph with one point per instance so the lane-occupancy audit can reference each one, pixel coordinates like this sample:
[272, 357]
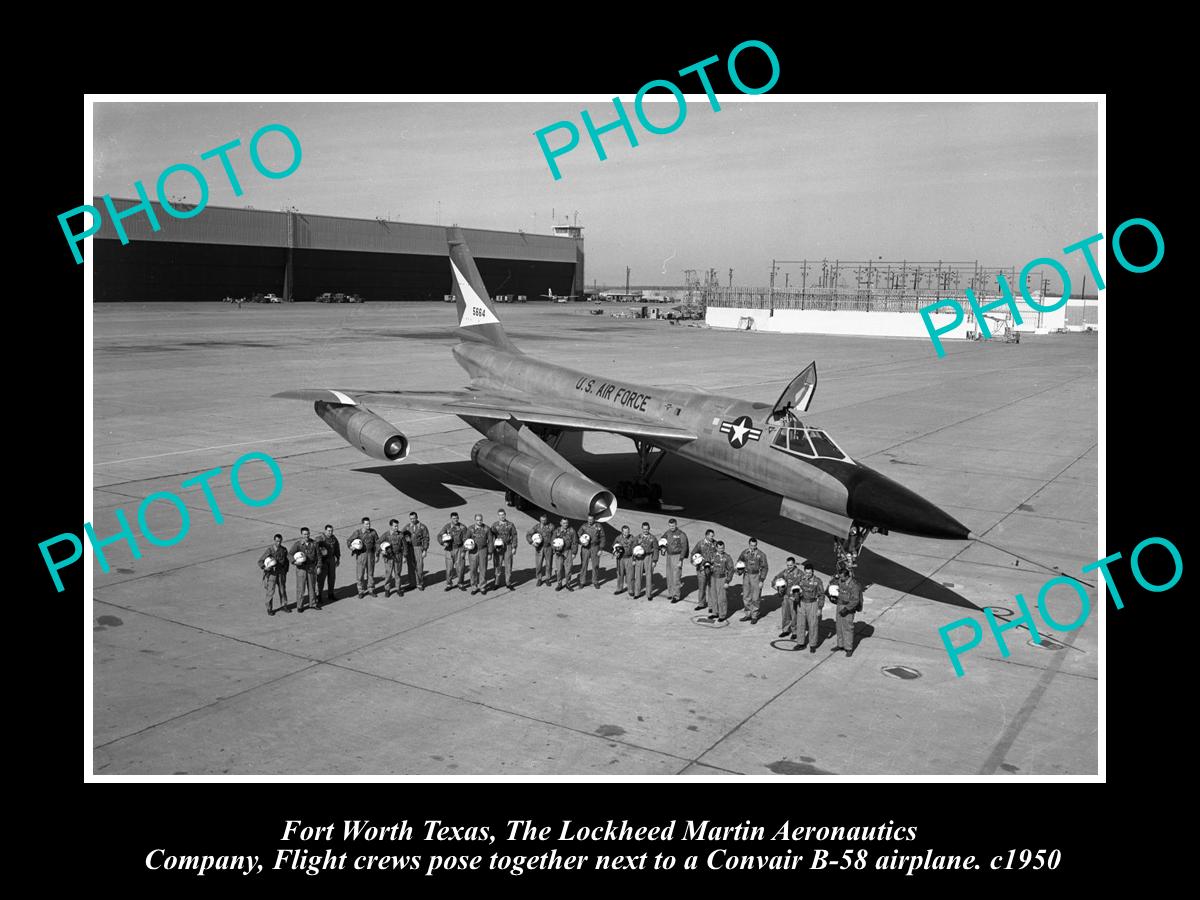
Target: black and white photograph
[717, 433]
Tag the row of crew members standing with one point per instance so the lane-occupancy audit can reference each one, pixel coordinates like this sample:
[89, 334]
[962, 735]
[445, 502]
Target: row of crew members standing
[396, 547]
[803, 597]
[317, 561]
[468, 550]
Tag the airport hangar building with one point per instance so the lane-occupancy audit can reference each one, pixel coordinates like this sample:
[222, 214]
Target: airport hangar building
[225, 251]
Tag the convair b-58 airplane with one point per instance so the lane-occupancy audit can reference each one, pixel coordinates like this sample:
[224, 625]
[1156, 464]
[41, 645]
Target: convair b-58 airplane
[522, 406]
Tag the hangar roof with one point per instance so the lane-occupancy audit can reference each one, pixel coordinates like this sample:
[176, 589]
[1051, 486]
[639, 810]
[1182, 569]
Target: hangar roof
[269, 228]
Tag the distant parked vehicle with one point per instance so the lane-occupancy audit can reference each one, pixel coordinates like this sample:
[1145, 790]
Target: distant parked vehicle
[683, 312]
[352, 298]
[325, 297]
[272, 298]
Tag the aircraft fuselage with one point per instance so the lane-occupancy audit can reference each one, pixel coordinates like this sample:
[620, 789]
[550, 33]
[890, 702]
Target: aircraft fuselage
[735, 437]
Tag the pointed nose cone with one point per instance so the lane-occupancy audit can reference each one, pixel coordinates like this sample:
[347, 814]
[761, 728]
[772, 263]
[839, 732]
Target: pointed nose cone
[876, 499]
[603, 506]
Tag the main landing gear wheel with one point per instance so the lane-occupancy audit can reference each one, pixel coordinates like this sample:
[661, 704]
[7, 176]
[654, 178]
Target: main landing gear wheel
[642, 488]
[515, 500]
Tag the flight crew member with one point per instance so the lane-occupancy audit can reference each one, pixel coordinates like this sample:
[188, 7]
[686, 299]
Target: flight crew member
[791, 577]
[539, 537]
[502, 557]
[418, 546]
[364, 556]
[477, 556]
[846, 592]
[562, 542]
[677, 552]
[392, 550]
[304, 556]
[754, 574]
[330, 550]
[451, 538]
[808, 614]
[275, 574]
[706, 550]
[719, 577]
[590, 538]
[623, 555]
[643, 566]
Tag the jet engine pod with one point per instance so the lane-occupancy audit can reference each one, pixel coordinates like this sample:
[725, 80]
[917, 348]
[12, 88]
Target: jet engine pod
[361, 428]
[540, 481]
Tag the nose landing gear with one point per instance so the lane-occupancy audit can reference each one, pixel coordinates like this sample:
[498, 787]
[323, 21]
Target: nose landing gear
[845, 552]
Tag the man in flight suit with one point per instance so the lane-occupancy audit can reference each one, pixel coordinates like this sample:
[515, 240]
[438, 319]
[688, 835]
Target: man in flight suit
[418, 545]
[719, 578]
[707, 549]
[502, 557]
[451, 537]
[643, 566]
[589, 551]
[563, 555]
[275, 575]
[306, 572]
[808, 614]
[848, 596]
[791, 576]
[330, 550]
[677, 552]
[393, 557]
[541, 547]
[477, 558]
[755, 574]
[623, 555]
[364, 556]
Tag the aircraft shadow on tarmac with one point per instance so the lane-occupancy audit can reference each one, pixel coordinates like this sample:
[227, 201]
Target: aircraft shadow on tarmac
[690, 490]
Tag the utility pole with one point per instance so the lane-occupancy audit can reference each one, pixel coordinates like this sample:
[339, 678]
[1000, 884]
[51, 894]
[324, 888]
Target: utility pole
[627, 281]
[288, 262]
[731, 277]
[773, 270]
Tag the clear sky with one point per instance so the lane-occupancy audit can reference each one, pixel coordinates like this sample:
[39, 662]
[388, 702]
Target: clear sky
[999, 182]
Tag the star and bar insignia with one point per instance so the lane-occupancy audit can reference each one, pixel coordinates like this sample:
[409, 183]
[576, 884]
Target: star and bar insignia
[740, 430]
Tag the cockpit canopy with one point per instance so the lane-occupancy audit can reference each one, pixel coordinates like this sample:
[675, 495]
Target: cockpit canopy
[800, 440]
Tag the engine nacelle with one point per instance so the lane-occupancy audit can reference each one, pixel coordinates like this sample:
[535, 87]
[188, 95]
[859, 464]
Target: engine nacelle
[542, 482]
[361, 428]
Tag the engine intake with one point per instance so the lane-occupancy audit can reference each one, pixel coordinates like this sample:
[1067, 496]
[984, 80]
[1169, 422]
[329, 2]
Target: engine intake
[542, 482]
[361, 428]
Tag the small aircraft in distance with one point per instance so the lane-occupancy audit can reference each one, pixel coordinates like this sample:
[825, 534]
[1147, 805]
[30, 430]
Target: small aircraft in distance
[556, 298]
[523, 406]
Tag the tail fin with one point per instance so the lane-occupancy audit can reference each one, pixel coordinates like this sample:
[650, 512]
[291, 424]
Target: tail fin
[476, 316]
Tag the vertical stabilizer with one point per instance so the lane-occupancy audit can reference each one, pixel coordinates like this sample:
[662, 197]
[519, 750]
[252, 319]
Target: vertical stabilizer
[477, 320]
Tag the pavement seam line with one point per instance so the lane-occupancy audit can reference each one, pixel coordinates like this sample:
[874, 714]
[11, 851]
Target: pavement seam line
[197, 709]
[501, 710]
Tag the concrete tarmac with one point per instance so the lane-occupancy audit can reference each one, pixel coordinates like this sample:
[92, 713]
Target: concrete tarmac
[190, 676]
